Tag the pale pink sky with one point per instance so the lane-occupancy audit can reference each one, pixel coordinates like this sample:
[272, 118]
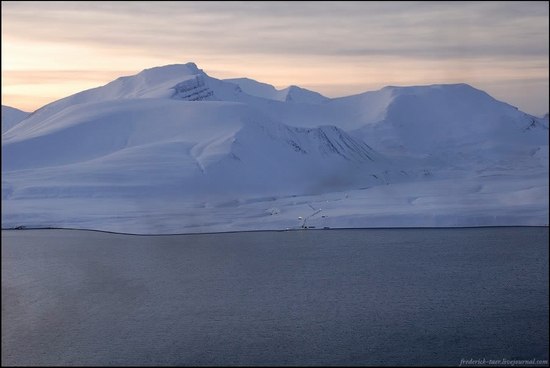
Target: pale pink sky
[54, 49]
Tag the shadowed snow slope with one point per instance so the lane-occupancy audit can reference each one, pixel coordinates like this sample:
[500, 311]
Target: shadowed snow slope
[11, 117]
[172, 150]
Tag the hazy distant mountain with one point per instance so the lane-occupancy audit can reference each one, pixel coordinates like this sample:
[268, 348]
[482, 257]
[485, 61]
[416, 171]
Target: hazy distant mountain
[11, 116]
[195, 153]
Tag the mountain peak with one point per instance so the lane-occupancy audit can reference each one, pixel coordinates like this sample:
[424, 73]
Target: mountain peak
[439, 86]
[168, 72]
[292, 93]
[188, 67]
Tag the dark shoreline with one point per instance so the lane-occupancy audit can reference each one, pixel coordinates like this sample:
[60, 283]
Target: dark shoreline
[19, 228]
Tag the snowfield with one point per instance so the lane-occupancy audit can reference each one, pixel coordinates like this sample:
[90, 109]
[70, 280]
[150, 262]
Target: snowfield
[172, 150]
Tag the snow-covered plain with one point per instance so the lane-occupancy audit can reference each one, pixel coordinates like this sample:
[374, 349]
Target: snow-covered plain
[173, 150]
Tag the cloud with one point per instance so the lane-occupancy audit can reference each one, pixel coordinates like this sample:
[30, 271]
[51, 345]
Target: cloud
[408, 29]
[30, 77]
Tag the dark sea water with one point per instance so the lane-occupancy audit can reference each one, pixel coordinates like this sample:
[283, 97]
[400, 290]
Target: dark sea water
[300, 298]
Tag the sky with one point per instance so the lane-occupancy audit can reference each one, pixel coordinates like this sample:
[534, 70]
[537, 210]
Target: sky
[53, 49]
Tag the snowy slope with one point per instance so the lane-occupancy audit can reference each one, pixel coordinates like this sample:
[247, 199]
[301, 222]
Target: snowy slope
[160, 142]
[171, 150]
[289, 94]
[11, 117]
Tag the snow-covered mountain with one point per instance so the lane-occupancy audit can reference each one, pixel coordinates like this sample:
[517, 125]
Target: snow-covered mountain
[11, 117]
[172, 149]
[289, 94]
[183, 82]
[423, 120]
